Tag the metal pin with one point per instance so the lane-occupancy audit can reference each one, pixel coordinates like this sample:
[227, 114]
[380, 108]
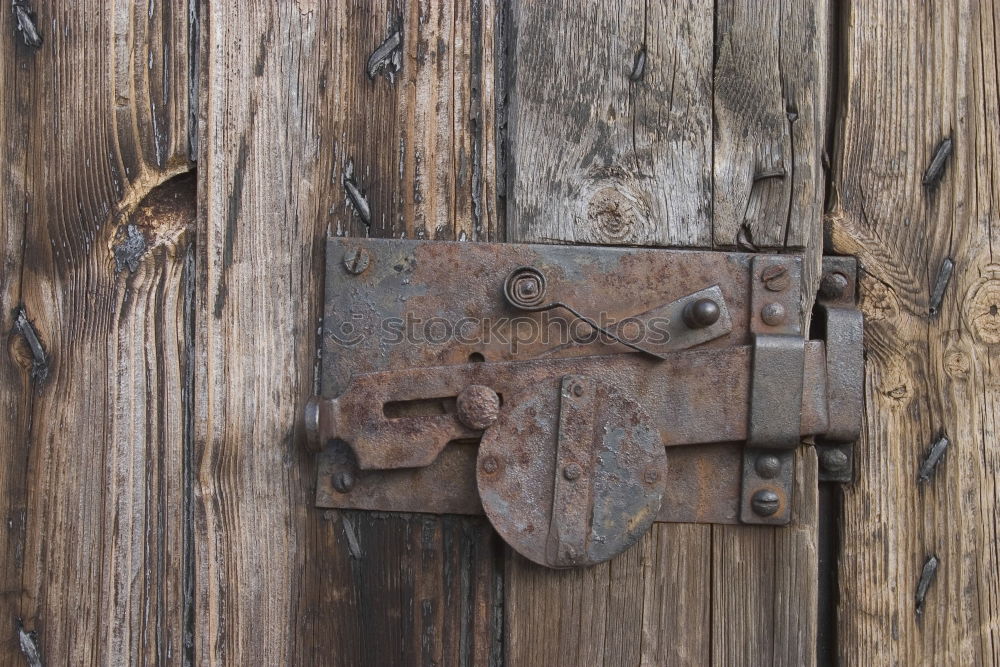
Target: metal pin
[39, 360]
[26, 23]
[638, 65]
[940, 285]
[771, 172]
[358, 201]
[935, 170]
[386, 56]
[352, 539]
[932, 459]
[926, 577]
[744, 239]
[28, 642]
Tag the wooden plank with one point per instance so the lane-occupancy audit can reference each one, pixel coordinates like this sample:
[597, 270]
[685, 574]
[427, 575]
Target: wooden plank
[17, 378]
[598, 158]
[309, 145]
[95, 125]
[770, 105]
[916, 75]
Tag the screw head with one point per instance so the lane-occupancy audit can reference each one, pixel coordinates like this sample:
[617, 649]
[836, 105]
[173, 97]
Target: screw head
[651, 476]
[572, 472]
[833, 285]
[701, 313]
[490, 465]
[833, 460]
[767, 466]
[775, 278]
[356, 260]
[764, 502]
[578, 390]
[773, 314]
[343, 481]
[477, 407]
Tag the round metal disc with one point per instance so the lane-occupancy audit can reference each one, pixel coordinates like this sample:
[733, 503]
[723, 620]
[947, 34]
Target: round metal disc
[578, 450]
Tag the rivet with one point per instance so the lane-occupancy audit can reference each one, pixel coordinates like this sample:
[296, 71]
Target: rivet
[701, 313]
[775, 278]
[356, 260]
[773, 314]
[764, 502]
[490, 465]
[343, 481]
[578, 389]
[572, 472]
[651, 476]
[833, 460]
[833, 285]
[767, 466]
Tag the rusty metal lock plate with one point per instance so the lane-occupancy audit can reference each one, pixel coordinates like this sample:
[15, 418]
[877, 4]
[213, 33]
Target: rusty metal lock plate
[573, 473]
[415, 331]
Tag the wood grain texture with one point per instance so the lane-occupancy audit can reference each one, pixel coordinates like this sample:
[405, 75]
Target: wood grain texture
[598, 157]
[297, 141]
[95, 240]
[914, 75]
[770, 110]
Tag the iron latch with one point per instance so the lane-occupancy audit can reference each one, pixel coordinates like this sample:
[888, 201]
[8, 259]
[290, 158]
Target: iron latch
[575, 395]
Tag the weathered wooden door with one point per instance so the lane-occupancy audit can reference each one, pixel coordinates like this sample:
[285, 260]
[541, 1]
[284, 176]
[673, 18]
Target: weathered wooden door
[171, 170]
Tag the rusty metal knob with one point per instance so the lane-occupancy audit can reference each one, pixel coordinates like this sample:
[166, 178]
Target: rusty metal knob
[701, 313]
[478, 407]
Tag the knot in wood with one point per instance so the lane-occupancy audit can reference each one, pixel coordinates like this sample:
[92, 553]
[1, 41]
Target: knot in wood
[616, 215]
[982, 307]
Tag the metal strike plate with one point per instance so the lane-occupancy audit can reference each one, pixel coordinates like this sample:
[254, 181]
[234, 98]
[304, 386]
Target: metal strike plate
[843, 331]
[450, 372]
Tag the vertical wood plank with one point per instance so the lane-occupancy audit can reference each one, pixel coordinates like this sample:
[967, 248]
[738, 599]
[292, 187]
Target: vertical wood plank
[930, 73]
[23, 364]
[770, 105]
[598, 157]
[95, 127]
[310, 144]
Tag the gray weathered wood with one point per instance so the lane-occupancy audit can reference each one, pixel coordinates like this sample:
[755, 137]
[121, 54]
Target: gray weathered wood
[915, 75]
[597, 157]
